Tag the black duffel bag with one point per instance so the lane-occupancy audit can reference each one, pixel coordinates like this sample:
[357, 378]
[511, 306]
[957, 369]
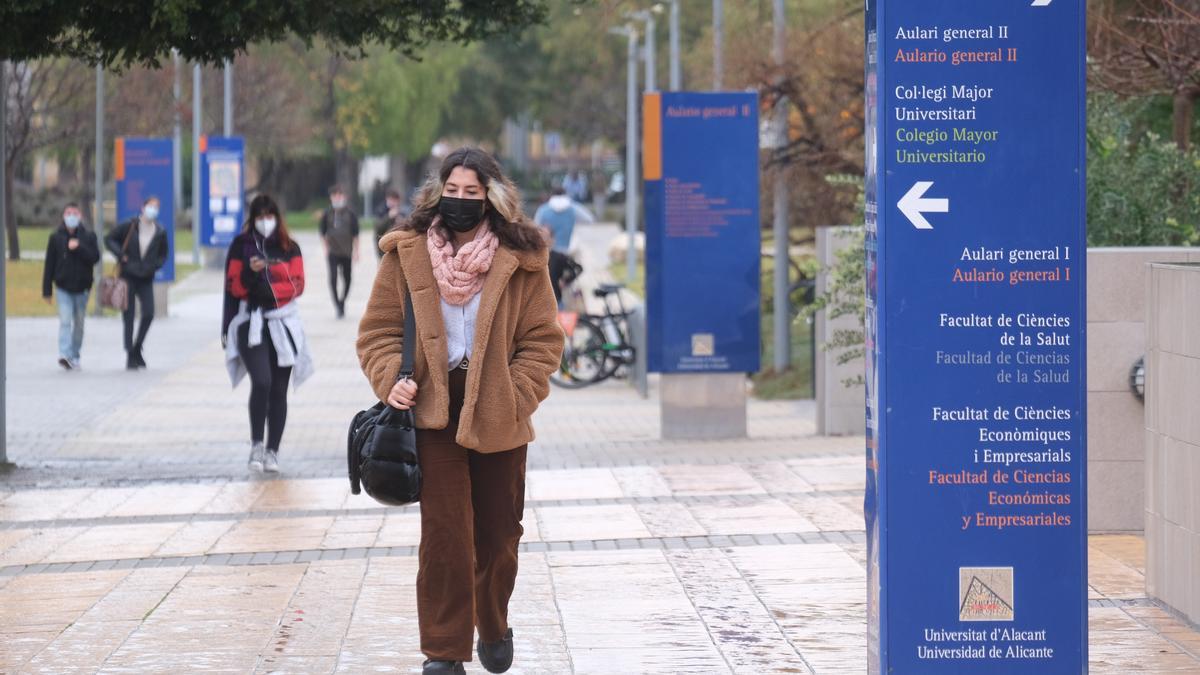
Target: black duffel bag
[381, 450]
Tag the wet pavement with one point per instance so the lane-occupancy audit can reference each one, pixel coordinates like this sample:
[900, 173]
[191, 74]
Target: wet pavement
[133, 540]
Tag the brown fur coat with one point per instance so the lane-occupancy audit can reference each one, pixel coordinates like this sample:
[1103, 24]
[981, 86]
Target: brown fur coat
[518, 342]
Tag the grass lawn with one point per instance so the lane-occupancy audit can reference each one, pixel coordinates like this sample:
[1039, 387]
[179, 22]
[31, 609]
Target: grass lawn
[796, 381]
[23, 288]
[639, 282]
[303, 221]
[35, 238]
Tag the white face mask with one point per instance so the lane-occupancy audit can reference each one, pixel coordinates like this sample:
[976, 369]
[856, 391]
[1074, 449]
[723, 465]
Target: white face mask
[71, 221]
[265, 226]
[338, 203]
[150, 212]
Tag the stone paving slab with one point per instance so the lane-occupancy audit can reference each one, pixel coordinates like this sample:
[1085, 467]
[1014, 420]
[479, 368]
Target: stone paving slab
[132, 539]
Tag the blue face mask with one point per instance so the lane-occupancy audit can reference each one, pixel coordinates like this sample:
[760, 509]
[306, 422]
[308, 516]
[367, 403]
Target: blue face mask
[71, 221]
[150, 212]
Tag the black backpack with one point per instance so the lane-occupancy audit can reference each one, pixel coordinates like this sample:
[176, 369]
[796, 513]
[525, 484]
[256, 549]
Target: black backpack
[381, 450]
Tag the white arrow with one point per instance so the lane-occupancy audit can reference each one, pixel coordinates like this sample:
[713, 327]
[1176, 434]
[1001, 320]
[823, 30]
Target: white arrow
[1040, 3]
[914, 204]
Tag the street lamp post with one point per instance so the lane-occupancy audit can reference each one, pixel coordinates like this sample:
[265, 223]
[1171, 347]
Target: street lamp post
[98, 178]
[228, 108]
[196, 113]
[647, 16]
[676, 72]
[177, 136]
[4, 260]
[783, 356]
[718, 44]
[631, 150]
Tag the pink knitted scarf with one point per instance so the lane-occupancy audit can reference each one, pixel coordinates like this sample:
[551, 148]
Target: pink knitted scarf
[460, 275]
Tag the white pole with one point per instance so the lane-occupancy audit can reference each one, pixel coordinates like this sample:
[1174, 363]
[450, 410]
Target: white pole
[4, 259]
[177, 137]
[676, 72]
[783, 357]
[631, 157]
[196, 113]
[98, 184]
[228, 126]
[651, 66]
[718, 44]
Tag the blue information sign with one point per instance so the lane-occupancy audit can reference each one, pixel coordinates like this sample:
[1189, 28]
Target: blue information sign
[222, 189]
[976, 501]
[143, 170]
[703, 245]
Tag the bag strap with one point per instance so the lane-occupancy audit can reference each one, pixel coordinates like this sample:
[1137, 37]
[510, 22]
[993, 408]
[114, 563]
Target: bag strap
[128, 234]
[124, 245]
[410, 338]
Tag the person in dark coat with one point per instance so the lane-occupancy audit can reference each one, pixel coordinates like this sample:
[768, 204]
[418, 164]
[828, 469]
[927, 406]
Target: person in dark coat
[339, 232]
[71, 254]
[391, 214]
[141, 246]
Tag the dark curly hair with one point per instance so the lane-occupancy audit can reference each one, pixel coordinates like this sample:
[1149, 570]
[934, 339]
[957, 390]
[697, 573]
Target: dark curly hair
[506, 217]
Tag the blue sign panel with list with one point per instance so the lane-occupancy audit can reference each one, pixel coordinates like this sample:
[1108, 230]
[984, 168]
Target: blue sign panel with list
[976, 400]
[144, 169]
[222, 189]
[700, 159]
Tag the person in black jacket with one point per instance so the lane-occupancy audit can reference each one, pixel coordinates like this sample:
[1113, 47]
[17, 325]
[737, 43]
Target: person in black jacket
[339, 232]
[141, 247]
[390, 214]
[71, 254]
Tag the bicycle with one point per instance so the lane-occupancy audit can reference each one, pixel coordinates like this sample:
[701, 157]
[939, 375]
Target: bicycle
[596, 345]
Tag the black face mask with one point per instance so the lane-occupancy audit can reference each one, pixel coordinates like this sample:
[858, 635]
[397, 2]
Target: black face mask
[460, 215]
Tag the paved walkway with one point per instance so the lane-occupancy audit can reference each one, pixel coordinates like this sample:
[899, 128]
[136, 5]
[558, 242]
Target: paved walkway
[132, 539]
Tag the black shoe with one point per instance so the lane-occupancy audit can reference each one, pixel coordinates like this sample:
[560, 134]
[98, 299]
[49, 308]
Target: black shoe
[130, 361]
[451, 667]
[137, 358]
[341, 310]
[497, 656]
[65, 363]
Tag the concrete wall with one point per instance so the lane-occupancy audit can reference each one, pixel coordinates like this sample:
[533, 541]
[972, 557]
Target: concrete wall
[1172, 435]
[841, 410]
[1116, 308]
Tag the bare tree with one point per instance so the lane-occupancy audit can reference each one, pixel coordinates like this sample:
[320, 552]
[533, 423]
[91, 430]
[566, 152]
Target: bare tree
[1143, 47]
[48, 105]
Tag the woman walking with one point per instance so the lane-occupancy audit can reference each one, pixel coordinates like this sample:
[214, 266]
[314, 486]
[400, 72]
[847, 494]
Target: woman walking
[141, 247]
[487, 341]
[261, 329]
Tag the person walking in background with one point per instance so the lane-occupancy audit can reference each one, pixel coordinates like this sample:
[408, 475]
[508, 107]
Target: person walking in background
[140, 245]
[469, 241]
[71, 255]
[261, 328]
[559, 215]
[576, 186]
[339, 232]
[391, 214]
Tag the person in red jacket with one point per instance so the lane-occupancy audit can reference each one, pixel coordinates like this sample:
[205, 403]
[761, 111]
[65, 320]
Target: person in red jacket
[261, 328]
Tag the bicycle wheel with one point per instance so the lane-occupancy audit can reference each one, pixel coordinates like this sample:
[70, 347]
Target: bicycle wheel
[584, 358]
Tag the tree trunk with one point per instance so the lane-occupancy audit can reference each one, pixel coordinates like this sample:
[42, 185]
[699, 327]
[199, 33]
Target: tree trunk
[398, 174]
[1184, 104]
[346, 177]
[10, 220]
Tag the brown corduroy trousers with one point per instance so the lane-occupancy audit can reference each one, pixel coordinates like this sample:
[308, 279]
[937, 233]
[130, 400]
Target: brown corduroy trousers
[471, 509]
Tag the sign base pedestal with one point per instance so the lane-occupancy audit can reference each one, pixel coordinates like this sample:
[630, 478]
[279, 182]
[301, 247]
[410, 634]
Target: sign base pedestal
[702, 406]
[161, 296]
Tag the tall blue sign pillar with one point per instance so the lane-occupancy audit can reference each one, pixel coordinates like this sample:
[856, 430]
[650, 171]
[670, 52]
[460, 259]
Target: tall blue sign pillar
[222, 193]
[703, 249]
[976, 400]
